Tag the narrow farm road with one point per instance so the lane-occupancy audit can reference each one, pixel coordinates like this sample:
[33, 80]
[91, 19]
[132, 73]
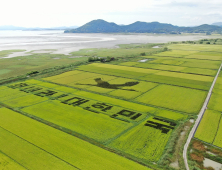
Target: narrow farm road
[201, 113]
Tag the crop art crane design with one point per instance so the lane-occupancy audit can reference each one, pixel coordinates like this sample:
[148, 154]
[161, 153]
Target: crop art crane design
[105, 84]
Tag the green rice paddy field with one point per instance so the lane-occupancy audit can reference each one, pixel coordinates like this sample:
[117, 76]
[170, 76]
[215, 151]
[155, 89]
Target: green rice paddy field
[196, 81]
[207, 130]
[42, 147]
[84, 113]
[110, 116]
[210, 128]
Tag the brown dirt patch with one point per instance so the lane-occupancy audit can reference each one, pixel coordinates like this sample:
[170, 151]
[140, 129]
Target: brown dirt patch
[197, 157]
[215, 151]
[199, 146]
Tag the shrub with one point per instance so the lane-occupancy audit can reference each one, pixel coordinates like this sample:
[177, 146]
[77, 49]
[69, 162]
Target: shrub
[165, 49]
[32, 72]
[143, 54]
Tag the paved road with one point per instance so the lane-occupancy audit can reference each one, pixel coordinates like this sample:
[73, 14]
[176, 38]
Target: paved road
[192, 132]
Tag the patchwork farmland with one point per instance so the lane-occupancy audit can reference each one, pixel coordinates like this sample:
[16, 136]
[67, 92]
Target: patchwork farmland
[122, 115]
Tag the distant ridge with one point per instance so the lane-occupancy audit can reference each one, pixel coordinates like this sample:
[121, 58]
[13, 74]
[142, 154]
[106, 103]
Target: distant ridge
[218, 24]
[10, 27]
[101, 26]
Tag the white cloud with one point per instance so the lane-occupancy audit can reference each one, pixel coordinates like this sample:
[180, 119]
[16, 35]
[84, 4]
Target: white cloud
[63, 6]
[69, 12]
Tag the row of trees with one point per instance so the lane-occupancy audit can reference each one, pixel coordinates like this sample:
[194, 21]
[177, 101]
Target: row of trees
[101, 59]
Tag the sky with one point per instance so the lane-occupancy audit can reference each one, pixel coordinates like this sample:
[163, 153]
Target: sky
[52, 13]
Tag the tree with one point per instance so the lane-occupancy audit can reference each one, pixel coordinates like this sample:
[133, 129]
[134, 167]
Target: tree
[108, 58]
[90, 59]
[165, 49]
[32, 72]
[143, 54]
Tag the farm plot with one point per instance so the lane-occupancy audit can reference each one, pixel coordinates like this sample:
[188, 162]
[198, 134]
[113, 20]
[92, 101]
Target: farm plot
[130, 92]
[118, 87]
[186, 62]
[27, 154]
[116, 102]
[51, 93]
[128, 63]
[205, 64]
[176, 53]
[139, 87]
[74, 112]
[114, 111]
[177, 81]
[66, 74]
[166, 77]
[146, 141]
[97, 89]
[206, 56]
[40, 83]
[200, 71]
[160, 66]
[186, 76]
[196, 47]
[24, 101]
[83, 114]
[74, 78]
[124, 68]
[218, 139]
[176, 98]
[8, 163]
[215, 102]
[97, 84]
[125, 94]
[65, 89]
[7, 94]
[116, 70]
[208, 127]
[168, 114]
[173, 68]
[167, 61]
[79, 120]
[35, 157]
[67, 151]
[218, 85]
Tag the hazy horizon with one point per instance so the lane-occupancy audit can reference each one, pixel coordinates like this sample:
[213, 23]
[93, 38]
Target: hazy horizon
[75, 26]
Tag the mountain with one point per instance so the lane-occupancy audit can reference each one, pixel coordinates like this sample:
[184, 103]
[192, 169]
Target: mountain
[11, 27]
[153, 27]
[97, 26]
[101, 26]
[218, 24]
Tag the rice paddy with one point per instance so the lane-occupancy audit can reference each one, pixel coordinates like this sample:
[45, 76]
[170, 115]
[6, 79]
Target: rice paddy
[120, 115]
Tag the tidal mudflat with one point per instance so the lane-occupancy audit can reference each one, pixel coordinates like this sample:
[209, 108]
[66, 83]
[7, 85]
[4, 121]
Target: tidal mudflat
[62, 43]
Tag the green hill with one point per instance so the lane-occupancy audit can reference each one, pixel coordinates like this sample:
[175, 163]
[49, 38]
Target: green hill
[101, 26]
